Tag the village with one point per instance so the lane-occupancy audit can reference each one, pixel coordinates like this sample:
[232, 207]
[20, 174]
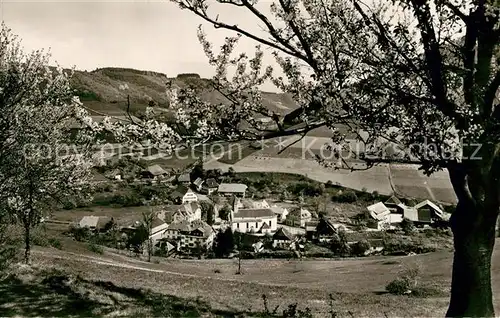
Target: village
[206, 210]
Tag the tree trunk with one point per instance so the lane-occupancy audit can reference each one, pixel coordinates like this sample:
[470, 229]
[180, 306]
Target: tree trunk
[474, 239]
[27, 242]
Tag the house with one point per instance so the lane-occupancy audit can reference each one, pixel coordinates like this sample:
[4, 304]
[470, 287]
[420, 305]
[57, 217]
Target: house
[210, 186]
[154, 172]
[228, 189]
[253, 220]
[251, 204]
[298, 217]
[310, 228]
[158, 228]
[94, 223]
[282, 239]
[426, 213]
[189, 235]
[325, 230]
[189, 211]
[378, 216]
[280, 212]
[198, 183]
[184, 179]
[183, 195]
[395, 205]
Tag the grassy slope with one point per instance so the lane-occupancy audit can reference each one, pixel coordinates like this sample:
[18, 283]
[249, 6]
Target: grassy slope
[100, 90]
[357, 285]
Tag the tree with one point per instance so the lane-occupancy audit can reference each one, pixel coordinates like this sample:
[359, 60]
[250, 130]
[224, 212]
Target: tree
[43, 160]
[147, 224]
[224, 243]
[225, 213]
[424, 82]
[207, 212]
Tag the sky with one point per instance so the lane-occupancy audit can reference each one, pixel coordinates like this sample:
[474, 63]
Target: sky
[145, 35]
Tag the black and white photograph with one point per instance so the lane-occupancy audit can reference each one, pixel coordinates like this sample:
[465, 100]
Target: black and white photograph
[249, 158]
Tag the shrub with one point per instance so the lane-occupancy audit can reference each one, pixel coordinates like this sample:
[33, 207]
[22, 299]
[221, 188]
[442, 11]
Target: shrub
[407, 226]
[54, 242]
[81, 234]
[339, 245]
[95, 248]
[39, 238]
[360, 248]
[347, 196]
[399, 286]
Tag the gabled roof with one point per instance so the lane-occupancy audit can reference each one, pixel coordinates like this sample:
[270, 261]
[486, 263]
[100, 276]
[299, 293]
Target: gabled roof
[411, 214]
[89, 221]
[180, 191]
[184, 178]
[232, 187]
[278, 210]
[190, 208]
[264, 226]
[282, 234]
[393, 200]
[299, 212]
[438, 211]
[198, 182]
[211, 183]
[325, 226]
[253, 213]
[378, 211]
[179, 226]
[157, 222]
[156, 170]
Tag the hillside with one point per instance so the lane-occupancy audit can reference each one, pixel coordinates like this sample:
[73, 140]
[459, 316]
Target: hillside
[105, 90]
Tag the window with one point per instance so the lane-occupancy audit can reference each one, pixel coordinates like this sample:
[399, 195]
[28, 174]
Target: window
[237, 225]
[256, 225]
[270, 223]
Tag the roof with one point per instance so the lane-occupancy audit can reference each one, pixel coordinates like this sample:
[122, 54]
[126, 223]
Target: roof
[179, 226]
[211, 183]
[253, 213]
[325, 226]
[190, 208]
[393, 200]
[200, 226]
[89, 221]
[180, 191]
[264, 226]
[282, 234]
[438, 211]
[232, 187]
[198, 182]
[156, 222]
[184, 178]
[156, 170]
[299, 212]
[378, 210]
[278, 209]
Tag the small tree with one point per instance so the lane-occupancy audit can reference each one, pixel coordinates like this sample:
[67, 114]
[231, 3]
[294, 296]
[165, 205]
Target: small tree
[339, 244]
[225, 212]
[407, 226]
[224, 243]
[147, 224]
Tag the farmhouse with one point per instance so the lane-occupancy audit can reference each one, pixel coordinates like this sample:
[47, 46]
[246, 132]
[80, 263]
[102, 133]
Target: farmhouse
[378, 216]
[210, 186]
[198, 183]
[184, 179]
[94, 223]
[426, 213]
[325, 230]
[253, 220]
[280, 212]
[298, 217]
[282, 238]
[190, 235]
[251, 204]
[154, 172]
[183, 195]
[395, 205]
[236, 189]
[189, 211]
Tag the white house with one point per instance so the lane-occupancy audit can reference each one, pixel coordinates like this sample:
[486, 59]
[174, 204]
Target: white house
[183, 195]
[253, 220]
[298, 217]
[379, 216]
[189, 235]
[280, 212]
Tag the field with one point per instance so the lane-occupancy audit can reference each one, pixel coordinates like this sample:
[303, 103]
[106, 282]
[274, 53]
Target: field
[356, 285]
